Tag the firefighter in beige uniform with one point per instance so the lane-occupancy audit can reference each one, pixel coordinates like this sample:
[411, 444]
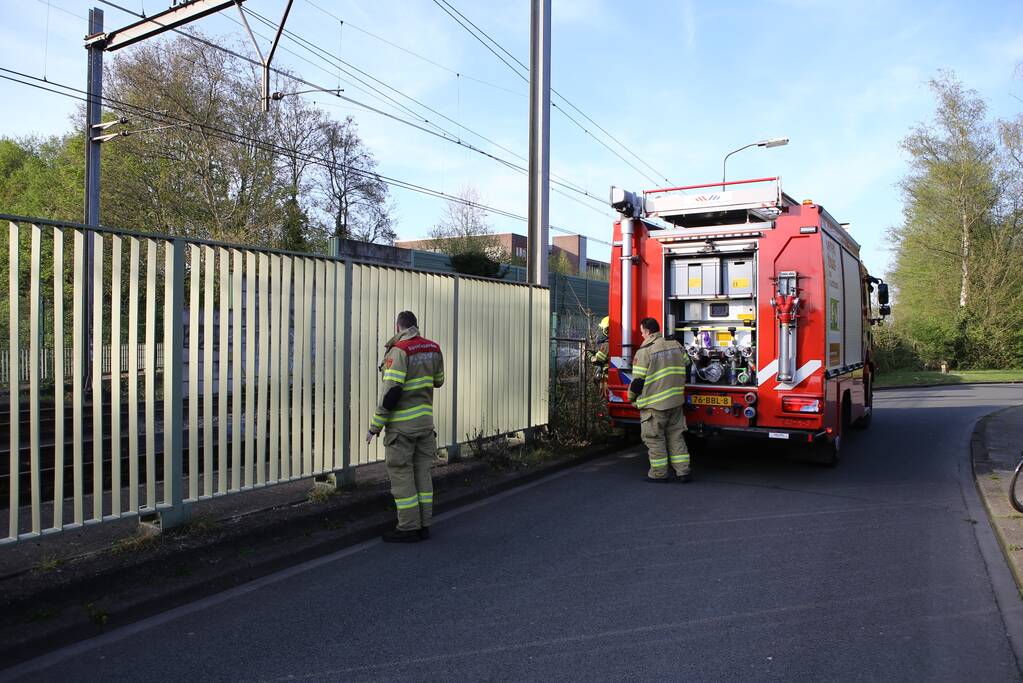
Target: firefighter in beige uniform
[413, 367]
[600, 357]
[658, 390]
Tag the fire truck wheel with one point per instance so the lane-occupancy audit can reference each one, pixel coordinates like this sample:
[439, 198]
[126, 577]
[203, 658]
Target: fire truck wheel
[829, 451]
[864, 421]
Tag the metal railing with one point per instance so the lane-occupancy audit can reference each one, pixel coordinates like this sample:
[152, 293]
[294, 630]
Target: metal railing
[47, 362]
[265, 368]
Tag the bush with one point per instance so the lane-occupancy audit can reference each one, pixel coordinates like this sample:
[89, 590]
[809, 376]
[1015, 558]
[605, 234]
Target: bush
[893, 351]
[477, 263]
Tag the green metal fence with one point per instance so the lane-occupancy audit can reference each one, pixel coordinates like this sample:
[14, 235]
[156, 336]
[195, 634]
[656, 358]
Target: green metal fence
[268, 368]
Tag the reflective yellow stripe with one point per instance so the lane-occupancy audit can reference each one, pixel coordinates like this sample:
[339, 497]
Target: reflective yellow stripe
[406, 503]
[658, 462]
[426, 497]
[419, 382]
[645, 400]
[638, 371]
[379, 421]
[411, 413]
[394, 376]
[664, 372]
[405, 411]
[680, 458]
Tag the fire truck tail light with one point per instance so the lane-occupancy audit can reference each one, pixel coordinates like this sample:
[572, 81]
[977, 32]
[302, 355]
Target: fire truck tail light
[795, 404]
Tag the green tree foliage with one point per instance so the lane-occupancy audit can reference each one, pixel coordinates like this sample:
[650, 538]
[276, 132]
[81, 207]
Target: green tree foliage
[959, 251]
[558, 264]
[43, 176]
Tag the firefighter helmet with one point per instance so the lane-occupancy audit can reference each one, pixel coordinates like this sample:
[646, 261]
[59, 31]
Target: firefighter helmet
[605, 323]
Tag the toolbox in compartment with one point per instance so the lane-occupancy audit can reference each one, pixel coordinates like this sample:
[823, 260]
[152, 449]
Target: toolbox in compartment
[695, 277]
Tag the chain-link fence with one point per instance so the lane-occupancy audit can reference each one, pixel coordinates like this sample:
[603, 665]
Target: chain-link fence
[578, 414]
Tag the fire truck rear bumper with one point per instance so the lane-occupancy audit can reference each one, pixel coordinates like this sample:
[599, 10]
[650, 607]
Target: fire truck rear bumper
[794, 435]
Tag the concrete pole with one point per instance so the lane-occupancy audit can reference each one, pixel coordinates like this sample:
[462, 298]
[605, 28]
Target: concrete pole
[539, 140]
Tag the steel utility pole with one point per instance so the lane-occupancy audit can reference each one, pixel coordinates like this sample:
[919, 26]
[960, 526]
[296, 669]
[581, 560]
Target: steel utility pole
[539, 140]
[93, 117]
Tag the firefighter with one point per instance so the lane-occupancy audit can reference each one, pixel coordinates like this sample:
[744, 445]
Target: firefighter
[600, 357]
[657, 389]
[412, 368]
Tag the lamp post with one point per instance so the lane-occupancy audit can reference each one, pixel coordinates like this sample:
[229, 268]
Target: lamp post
[769, 142]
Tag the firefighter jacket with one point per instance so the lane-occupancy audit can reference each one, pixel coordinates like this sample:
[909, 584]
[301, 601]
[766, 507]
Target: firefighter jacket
[658, 374]
[413, 367]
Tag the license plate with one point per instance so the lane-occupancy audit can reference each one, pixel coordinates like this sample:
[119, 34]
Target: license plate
[700, 400]
[777, 435]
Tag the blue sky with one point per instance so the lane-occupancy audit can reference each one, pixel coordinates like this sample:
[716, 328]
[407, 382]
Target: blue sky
[682, 83]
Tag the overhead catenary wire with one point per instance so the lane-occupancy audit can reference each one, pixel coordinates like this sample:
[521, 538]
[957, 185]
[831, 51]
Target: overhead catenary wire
[476, 32]
[237, 138]
[412, 53]
[315, 49]
[443, 134]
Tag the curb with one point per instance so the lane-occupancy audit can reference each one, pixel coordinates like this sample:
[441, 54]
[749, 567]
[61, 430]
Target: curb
[981, 465]
[946, 384]
[139, 602]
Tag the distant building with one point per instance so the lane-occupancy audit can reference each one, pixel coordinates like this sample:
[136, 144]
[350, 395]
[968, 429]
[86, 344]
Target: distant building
[514, 245]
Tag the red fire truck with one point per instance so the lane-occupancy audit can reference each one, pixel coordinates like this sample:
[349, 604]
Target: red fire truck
[767, 296]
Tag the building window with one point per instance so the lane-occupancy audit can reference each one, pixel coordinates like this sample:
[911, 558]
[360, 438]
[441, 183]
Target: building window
[520, 251]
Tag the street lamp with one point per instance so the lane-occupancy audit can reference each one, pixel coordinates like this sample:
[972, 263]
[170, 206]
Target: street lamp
[769, 142]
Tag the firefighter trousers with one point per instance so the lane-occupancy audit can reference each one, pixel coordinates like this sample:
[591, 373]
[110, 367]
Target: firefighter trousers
[409, 458]
[663, 435]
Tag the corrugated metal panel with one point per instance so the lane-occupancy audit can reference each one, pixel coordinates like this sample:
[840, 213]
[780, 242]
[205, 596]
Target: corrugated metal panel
[266, 375]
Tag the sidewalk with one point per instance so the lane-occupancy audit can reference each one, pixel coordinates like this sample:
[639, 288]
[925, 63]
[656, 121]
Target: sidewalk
[996, 445]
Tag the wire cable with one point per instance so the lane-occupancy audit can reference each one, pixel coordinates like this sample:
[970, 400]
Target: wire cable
[412, 53]
[443, 134]
[237, 138]
[554, 91]
[557, 180]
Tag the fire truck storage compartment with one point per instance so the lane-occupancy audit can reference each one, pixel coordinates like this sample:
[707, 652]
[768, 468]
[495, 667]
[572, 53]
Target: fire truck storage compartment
[712, 313]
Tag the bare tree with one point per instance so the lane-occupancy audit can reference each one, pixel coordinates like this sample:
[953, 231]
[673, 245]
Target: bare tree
[357, 201]
[464, 228]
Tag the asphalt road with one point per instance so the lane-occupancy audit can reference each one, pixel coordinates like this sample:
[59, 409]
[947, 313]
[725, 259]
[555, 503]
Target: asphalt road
[764, 568]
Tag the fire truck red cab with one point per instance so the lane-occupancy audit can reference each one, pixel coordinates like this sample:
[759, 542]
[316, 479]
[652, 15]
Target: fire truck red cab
[767, 296]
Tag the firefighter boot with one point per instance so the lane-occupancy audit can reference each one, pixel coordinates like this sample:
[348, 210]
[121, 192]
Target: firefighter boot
[403, 536]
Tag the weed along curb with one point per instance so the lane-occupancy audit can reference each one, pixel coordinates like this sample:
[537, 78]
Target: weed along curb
[57, 603]
[992, 476]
